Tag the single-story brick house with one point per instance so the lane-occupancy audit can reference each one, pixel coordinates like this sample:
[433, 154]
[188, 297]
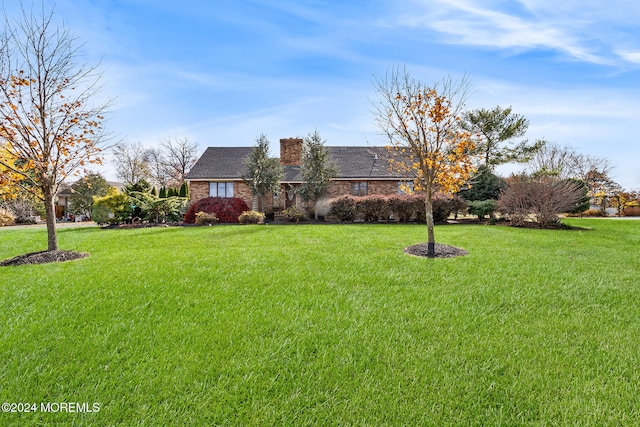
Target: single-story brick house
[361, 171]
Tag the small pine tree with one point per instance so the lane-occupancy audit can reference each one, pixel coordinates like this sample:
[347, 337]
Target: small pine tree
[184, 190]
[163, 193]
[264, 172]
[154, 192]
[317, 170]
[485, 185]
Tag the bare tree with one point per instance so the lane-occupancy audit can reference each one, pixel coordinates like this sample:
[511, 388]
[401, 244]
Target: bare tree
[422, 125]
[50, 126]
[543, 197]
[552, 159]
[132, 162]
[180, 156]
[565, 162]
[158, 168]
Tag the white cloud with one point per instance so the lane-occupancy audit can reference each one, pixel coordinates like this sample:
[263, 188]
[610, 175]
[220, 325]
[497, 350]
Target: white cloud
[585, 31]
[633, 57]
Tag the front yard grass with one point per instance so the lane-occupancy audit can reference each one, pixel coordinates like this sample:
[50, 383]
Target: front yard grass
[325, 325]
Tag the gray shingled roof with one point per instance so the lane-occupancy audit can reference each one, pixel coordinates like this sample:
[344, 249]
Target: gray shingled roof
[352, 162]
[362, 162]
[221, 163]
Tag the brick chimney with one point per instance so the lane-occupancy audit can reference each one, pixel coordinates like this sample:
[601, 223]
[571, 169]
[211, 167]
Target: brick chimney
[291, 151]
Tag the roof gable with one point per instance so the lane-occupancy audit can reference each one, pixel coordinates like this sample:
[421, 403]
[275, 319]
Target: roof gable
[221, 163]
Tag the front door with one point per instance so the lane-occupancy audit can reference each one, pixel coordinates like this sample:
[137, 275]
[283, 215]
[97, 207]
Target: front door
[289, 196]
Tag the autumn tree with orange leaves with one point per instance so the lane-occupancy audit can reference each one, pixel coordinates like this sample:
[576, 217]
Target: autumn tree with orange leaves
[50, 127]
[422, 125]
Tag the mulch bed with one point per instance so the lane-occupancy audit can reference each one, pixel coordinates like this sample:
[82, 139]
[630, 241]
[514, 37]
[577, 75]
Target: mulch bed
[43, 257]
[441, 251]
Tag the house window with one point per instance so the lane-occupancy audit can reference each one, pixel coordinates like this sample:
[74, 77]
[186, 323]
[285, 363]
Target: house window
[405, 187]
[221, 189]
[358, 188]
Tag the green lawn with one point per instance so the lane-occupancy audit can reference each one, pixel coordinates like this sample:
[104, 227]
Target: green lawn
[325, 325]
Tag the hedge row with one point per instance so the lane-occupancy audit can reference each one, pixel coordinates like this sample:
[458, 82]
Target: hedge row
[403, 208]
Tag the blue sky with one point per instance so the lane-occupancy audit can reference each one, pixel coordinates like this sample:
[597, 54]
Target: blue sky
[221, 72]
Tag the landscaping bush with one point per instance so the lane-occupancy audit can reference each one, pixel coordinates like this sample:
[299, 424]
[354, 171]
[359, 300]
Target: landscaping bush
[401, 207]
[115, 207]
[294, 214]
[441, 208]
[404, 208]
[544, 198]
[482, 208]
[203, 218]
[458, 206]
[251, 217]
[416, 203]
[373, 208]
[631, 211]
[594, 213]
[227, 210]
[101, 214]
[7, 217]
[25, 209]
[345, 208]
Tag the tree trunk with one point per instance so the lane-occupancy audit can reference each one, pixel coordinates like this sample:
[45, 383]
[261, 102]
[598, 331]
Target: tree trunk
[431, 240]
[50, 210]
[254, 203]
[315, 210]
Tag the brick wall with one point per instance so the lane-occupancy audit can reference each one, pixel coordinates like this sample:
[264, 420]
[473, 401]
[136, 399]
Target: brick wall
[383, 187]
[198, 190]
[340, 188]
[242, 191]
[291, 151]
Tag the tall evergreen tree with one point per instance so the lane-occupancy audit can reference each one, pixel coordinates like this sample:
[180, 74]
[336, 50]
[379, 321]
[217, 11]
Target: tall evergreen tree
[264, 172]
[495, 130]
[485, 185]
[317, 170]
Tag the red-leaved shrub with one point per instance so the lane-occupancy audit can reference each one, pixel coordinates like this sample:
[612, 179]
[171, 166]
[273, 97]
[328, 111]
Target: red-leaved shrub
[344, 207]
[226, 209]
[373, 208]
[631, 211]
[378, 207]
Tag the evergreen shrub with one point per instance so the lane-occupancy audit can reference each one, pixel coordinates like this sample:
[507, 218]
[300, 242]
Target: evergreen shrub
[203, 218]
[294, 214]
[482, 208]
[251, 217]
